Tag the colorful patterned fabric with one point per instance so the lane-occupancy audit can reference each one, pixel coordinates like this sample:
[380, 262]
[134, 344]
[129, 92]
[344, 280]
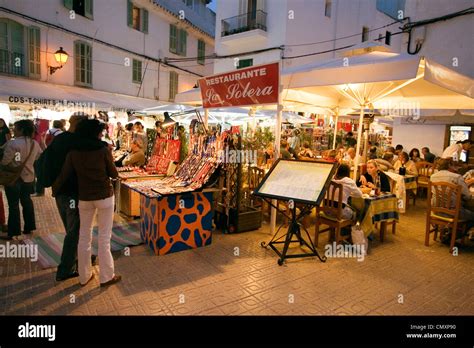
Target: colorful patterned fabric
[176, 222]
[50, 246]
[375, 209]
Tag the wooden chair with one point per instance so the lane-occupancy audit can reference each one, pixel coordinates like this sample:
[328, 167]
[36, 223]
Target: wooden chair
[441, 211]
[330, 214]
[255, 175]
[425, 170]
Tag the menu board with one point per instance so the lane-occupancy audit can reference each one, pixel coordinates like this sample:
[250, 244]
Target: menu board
[303, 181]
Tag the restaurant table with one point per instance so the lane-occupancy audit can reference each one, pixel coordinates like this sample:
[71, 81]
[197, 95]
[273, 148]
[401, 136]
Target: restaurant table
[373, 209]
[402, 184]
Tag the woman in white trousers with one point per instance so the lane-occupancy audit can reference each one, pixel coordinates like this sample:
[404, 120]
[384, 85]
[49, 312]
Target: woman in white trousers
[93, 168]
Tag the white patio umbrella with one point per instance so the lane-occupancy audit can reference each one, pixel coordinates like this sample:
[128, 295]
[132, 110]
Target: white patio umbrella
[382, 80]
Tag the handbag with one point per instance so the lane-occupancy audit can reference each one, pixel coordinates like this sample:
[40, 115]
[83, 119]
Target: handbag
[9, 174]
[358, 238]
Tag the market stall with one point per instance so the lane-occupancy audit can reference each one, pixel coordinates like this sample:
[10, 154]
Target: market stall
[176, 212]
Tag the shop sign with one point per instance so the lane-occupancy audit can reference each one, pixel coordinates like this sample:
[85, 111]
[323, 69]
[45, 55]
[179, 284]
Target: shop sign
[250, 86]
[49, 102]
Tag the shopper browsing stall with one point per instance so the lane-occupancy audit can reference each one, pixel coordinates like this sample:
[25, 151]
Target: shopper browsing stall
[139, 133]
[51, 163]
[21, 151]
[94, 170]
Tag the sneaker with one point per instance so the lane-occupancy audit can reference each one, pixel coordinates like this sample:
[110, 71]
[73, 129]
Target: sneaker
[112, 281]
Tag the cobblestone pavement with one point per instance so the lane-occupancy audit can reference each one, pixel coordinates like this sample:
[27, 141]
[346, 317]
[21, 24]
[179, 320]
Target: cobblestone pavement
[400, 276]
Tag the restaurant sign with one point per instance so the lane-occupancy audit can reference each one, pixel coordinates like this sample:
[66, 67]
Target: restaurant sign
[250, 86]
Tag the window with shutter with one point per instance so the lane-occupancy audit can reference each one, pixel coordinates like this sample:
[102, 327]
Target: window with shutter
[83, 64]
[34, 52]
[12, 48]
[182, 42]
[244, 63]
[144, 21]
[137, 71]
[129, 13]
[88, 9]
[173, 39]
[201, 52]
[81, 7]
[365, 34]
[173, 87]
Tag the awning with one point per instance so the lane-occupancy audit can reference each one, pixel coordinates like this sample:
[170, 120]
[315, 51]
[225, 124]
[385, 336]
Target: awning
[15, 90]
[383, 79]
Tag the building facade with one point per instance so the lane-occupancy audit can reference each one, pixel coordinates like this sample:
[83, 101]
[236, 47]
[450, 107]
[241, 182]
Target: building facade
[297, 32]
[118, 46]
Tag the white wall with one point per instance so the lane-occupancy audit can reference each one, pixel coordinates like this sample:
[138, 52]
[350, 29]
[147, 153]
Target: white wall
[445, 40]
[109, 72]
[294, 22]
[410, 136]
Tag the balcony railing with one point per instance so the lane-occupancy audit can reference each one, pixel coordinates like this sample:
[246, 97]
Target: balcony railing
[245, 22]
[11, 63]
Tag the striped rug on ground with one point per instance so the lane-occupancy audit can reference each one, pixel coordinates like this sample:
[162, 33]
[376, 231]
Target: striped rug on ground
[50, 246]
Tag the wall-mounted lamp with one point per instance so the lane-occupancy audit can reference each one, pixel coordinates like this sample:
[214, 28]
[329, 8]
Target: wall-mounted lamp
[61, 57]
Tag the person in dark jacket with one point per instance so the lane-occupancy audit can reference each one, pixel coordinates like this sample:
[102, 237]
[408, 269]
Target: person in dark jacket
[67, 197]
[428, 156]
[373, 176]
[93, 169]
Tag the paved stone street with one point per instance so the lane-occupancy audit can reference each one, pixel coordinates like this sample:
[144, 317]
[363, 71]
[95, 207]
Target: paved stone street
[213, 281]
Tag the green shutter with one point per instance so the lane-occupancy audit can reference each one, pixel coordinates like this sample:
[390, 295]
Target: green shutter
[137, 71]
[173, 39]
[182, 42]
[129, 13]
[201, 52]
[68, 4]
[17, 48]
[173, 85]
[89, 64]
[77, 62]
[144, 20]
[34, 52]
[88, 9]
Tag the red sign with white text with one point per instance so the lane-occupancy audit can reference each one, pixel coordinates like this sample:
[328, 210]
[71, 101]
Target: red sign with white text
[250, 86]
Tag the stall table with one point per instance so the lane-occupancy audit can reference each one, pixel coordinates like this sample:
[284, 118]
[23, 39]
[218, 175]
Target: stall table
[128, 201]
[176, 222]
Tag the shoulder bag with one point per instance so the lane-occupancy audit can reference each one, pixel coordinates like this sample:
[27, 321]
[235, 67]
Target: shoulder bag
[9, 174]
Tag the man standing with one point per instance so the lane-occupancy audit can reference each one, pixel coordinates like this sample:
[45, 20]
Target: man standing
[428, 156]
[454, 151]
[67, 197]
[350, 140]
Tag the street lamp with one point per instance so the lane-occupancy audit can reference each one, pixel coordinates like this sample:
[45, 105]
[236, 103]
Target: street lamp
[61, 57]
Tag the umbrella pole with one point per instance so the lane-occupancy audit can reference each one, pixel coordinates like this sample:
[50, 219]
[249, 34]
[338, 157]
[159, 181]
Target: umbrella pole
[335, 130]
[276, 155]
[359, 140]
[206, 117]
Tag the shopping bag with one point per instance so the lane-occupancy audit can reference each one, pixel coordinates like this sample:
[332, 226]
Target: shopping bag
[358, 238]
